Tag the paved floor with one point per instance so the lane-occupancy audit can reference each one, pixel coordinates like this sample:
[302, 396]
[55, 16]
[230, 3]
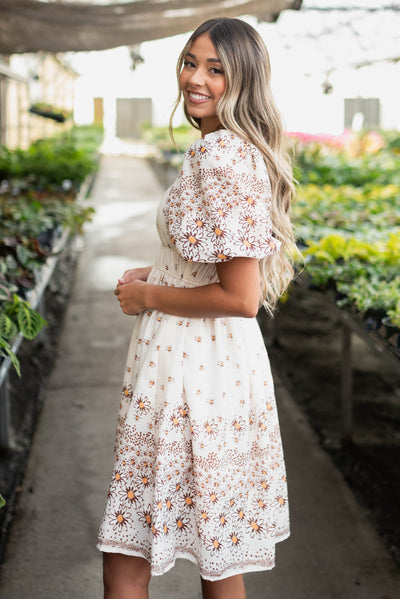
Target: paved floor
[333, 553]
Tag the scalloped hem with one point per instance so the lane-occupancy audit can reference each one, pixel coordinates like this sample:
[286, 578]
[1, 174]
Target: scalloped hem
[226, 573]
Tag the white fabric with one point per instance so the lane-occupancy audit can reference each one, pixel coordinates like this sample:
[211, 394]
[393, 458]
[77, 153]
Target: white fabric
[219, 206]
[199, 470]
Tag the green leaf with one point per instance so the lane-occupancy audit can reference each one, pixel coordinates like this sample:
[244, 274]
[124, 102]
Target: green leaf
[2, 501]
[8, 328]
[4, 295]
[6, 351]
[23, 254]
[13, 358]
[29, 321]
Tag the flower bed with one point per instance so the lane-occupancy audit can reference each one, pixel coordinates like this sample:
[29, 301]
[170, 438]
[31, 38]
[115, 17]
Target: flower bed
[347, 219]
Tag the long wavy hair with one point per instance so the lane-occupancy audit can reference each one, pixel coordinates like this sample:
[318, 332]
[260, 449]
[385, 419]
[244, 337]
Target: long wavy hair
[247, 108]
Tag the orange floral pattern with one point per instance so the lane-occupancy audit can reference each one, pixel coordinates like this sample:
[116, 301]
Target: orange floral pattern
[199, 470]
[219, 206]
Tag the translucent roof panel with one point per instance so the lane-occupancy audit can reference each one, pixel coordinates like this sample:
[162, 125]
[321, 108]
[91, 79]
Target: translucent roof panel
[32, 25]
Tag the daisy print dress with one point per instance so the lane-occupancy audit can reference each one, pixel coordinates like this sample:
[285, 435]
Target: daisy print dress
[199, 470]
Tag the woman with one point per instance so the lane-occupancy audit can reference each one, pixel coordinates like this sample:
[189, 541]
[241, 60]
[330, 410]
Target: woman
[199, 469]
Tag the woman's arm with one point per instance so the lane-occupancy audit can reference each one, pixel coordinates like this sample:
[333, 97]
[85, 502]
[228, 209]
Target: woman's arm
[236, 294]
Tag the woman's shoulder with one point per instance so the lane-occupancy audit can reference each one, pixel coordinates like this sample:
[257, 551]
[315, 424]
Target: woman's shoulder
[222, 148]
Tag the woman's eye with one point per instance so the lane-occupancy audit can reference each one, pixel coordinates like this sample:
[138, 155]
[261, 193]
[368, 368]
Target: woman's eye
[216, 71]
[188, 63]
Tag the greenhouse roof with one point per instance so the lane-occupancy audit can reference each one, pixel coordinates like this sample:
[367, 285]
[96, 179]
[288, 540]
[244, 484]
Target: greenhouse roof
[60, 26]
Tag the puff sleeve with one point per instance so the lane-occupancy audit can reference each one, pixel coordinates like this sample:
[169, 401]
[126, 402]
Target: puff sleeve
[219, 206]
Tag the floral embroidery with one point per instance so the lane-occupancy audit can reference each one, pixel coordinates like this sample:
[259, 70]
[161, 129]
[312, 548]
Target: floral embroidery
[222, 198]
[199, 469]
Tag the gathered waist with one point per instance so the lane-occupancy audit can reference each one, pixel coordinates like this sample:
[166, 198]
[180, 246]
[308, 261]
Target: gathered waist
[171, 269]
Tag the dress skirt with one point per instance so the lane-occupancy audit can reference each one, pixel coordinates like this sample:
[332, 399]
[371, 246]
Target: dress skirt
[199, 469]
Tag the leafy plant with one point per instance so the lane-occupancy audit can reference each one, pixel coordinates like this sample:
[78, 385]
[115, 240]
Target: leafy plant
[347, 217]
[36, 202]
[17, 316]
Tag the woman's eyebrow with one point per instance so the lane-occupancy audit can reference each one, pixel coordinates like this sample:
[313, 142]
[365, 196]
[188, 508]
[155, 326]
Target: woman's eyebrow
[208, 59]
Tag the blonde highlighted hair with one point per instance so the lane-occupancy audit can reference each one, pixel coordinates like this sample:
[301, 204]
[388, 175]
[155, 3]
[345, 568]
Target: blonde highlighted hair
[247, 108]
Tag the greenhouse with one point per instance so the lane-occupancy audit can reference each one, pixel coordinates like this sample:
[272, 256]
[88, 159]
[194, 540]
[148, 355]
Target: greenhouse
[87, 152]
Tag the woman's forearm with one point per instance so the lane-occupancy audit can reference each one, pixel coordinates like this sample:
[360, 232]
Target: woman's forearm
[236, 294]
[195, 302]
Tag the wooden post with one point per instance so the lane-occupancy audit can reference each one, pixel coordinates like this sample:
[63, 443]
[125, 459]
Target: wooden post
[346, 387]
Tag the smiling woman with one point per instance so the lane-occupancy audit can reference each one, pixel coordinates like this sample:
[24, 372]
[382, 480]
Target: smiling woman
[199, 470]
[202, 81]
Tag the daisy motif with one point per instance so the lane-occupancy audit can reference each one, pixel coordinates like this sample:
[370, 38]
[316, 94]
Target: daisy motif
[120, 519]
[235, 539]
[247, 220]
[242, 151]
[145, 479]
[255, 526]
[174, 419]
[182, 524]
[204, 516]
[214, 545]
[130, 495]
[155, 531]
[145, 518]
[218, 234]
[221, 256]
[184, 411]
[222, 520]
[211, 428]
[143, 405]
[195, 429]
[222, 143]
[265, 485]
[238, 425]
[260, 504]
[203, 150]
[190, 242]
[248, 244]
[188, 500]
[240, 515]
[118, 478]
[169, 503]
[127, 391]
[270, 245]
[281, 500]
[212, 497]
[249, 201]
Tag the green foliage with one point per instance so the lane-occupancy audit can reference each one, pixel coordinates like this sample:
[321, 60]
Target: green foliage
[347, 215]
[47, 163]
[34, 208]
[369, 158]
[2, 501]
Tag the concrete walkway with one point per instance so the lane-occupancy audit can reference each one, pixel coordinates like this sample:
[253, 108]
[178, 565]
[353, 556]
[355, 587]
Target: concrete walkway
[334, 552]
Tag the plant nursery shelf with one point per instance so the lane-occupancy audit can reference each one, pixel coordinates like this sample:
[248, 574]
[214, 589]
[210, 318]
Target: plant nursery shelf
[354, 323]
[35, 299]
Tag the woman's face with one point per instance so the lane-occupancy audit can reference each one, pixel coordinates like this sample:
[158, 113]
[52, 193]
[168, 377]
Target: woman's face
[202, 81]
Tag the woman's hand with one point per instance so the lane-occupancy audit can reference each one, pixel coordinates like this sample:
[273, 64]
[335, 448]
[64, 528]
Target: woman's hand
[135, 274]
[131, 296]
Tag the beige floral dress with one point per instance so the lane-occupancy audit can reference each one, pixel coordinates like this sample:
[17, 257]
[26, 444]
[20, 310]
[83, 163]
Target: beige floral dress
[199, 470]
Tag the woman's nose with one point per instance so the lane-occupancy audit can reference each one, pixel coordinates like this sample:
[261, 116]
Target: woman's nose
[197, 77]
